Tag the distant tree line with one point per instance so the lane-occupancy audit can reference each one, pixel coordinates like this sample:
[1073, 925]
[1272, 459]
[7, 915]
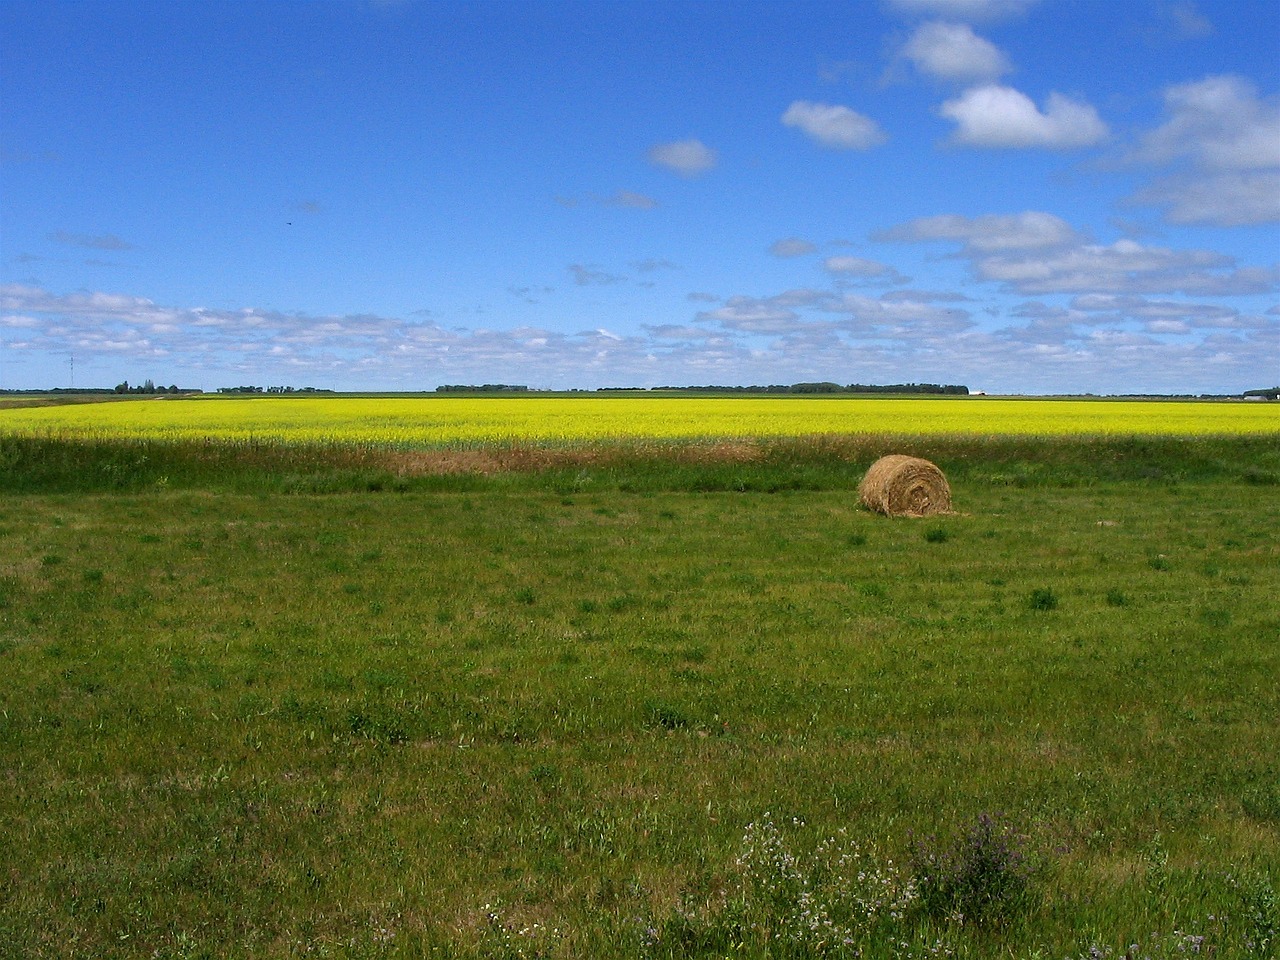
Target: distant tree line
[482, 388]
[146, 387]
[1271, 394]
[40, 391]
[826, 386]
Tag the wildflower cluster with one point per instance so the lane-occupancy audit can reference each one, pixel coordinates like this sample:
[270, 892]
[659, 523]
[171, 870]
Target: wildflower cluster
[1260, 918]
[1176, 945]
[506, 940]
[828, 902]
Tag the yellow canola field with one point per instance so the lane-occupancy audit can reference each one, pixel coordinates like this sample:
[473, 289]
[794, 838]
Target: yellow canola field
[410, 422]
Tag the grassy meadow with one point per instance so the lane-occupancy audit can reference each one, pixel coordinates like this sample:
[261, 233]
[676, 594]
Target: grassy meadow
[638, 698]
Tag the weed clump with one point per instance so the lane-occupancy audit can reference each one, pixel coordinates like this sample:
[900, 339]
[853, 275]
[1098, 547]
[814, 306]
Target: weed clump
[983, 876]
[1042, 598]
[664, 715]
[833, 900]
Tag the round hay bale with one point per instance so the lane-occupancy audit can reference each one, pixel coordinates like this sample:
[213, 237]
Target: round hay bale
[902, 486]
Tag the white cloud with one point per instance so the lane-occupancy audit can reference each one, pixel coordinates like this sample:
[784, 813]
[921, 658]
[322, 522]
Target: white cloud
[846, 268]
[1219, 123]
[1121, 344]
[835, 126]
[952, 51]
[1220, 199]
[999, 116]
[672, 331]
[685, 157]
[1223, 141]
[855, 267]
[925, 296]
[774, 315]
[898, 318]
[1124, 267]
[1038, 253]
[1166, 316]
[1030, 230]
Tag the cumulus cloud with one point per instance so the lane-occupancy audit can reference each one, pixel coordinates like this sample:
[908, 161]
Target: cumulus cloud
[770, 315]
[1236, 199]
[1002, 117]
[266, 344]
[835, 126]
[1030, 230]
[1039, 253]
[926, 296]
[898, 318]
[1124, 267]
[845, 268]
[1165, 316]
[1223, 142]
[1220, 123]
[673, 331]
[952, 51]
[855, 267]
[1111, 342]
[689, 158]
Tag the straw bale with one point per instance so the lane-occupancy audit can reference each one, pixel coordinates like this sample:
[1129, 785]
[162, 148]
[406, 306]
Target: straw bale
[902, 486]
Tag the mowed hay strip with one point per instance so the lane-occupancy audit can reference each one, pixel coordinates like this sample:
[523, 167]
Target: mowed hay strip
[902, 486]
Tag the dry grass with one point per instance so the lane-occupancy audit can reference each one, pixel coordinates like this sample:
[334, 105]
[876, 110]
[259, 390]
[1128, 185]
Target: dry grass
[488, 461]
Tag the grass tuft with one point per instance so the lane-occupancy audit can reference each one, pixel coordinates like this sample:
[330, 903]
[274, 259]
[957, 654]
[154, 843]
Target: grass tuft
[1043, 598]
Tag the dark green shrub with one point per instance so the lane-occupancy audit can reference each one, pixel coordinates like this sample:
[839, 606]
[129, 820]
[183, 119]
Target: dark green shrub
[982, 876]
[1042, 598]
[665, 715]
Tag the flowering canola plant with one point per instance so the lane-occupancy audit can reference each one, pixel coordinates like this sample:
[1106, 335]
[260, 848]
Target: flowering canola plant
[418, 422]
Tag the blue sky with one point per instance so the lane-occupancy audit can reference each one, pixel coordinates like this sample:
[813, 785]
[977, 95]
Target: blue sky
[1024, 196]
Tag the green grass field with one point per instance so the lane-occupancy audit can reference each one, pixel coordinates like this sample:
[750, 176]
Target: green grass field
[262, 700]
